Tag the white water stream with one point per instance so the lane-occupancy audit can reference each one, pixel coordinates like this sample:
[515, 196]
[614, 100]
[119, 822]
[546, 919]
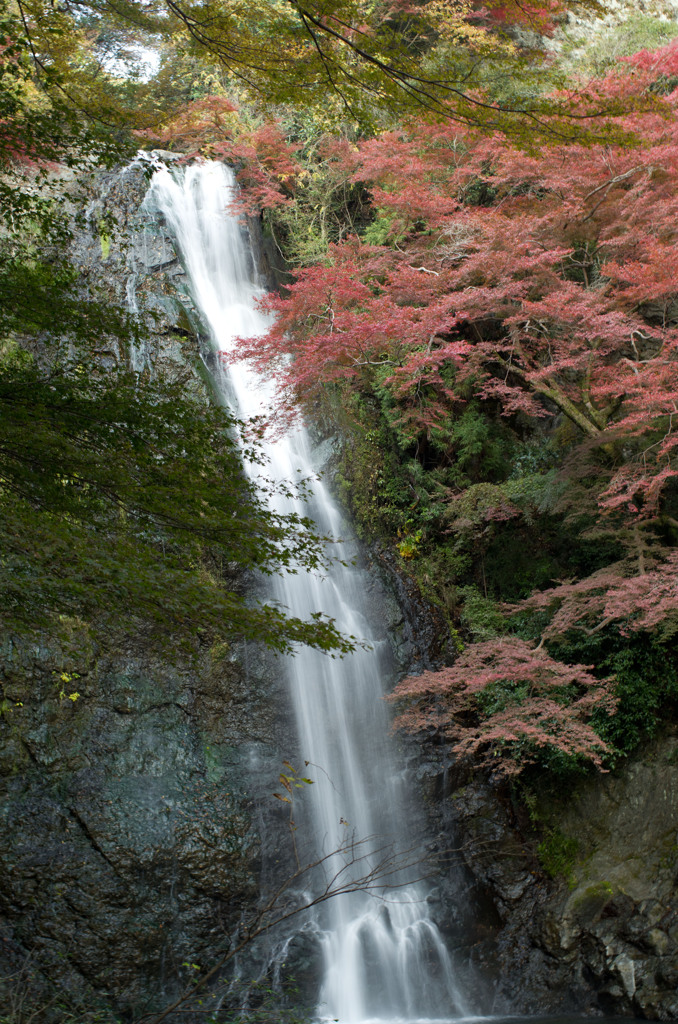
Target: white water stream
[383, 956]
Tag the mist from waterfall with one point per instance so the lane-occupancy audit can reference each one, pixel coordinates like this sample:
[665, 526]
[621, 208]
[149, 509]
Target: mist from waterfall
[383, 956]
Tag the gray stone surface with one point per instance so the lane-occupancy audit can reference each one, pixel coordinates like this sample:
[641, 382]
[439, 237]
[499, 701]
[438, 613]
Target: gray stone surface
[601, 939]
[127, 844]
[132, 814]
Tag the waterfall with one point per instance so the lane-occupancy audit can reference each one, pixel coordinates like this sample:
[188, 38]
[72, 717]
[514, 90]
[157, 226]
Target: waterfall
[383, 956]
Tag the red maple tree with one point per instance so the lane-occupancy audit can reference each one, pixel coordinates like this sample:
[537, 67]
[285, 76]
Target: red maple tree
[503, 702]
[543, 286]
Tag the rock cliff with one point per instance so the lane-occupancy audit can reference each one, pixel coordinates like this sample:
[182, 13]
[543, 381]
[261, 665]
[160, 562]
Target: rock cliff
[134, 788]
[573, 900]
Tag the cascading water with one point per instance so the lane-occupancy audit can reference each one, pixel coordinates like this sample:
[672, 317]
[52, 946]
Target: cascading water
[383, 956]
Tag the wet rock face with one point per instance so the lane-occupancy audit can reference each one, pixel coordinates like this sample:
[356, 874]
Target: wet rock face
[603, 938]
[134, 789]
[128, 845]
[622, 907]
[124, 252]
[137, 818]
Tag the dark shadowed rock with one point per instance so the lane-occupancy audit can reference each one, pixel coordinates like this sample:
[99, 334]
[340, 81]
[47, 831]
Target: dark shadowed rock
[603, 938]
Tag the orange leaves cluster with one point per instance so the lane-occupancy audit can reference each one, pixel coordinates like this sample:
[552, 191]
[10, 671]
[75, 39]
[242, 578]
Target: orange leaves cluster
[644, 600]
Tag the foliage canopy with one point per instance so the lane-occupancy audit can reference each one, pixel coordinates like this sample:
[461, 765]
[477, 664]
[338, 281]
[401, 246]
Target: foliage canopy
[122, 500]
[504, 336]
[361, 60]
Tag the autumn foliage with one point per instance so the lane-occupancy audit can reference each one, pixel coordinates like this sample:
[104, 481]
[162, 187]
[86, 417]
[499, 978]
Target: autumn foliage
[538, 289]
[213, 128]
[498, 323]
[534, 702]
